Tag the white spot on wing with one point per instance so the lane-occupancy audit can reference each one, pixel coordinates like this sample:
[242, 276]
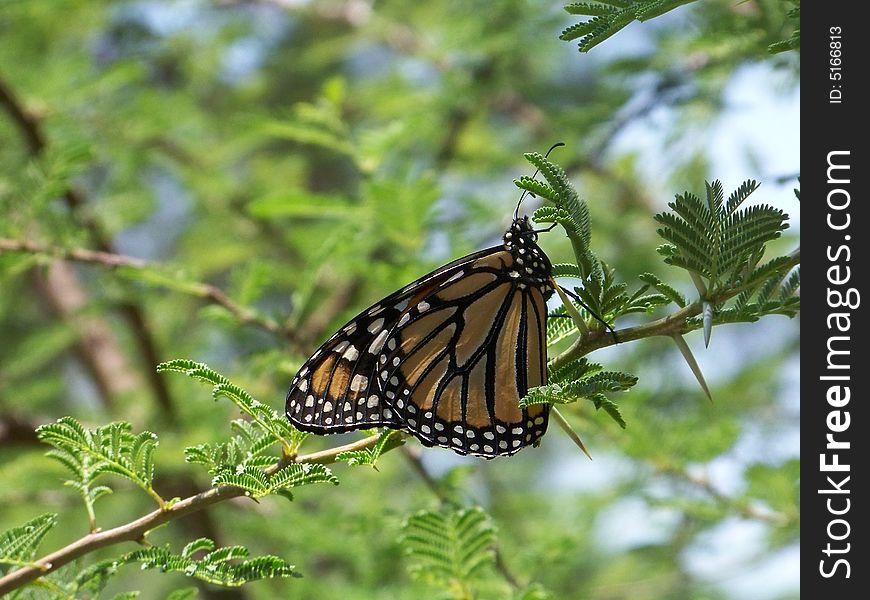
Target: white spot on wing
[351, 353]
[376, 326]
[359, 382]
[378, 342]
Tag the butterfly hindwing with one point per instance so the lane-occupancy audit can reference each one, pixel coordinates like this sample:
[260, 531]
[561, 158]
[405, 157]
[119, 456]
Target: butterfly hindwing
[459, 361]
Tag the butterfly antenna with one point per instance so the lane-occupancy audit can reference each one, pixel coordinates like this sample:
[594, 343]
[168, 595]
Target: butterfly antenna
[517, 209]
[553, 147]
[592, 312]
[535, 174]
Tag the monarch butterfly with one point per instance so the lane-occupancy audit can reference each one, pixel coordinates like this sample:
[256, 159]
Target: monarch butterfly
[447, 358]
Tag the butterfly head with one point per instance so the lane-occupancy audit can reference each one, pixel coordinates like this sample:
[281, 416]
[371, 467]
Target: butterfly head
[520, 234]
[531, 265]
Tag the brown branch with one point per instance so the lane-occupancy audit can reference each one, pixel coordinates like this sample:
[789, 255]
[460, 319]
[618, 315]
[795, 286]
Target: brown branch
[672, 324]
[136, 530]
[26, 122]
[742, 507]
[29, 127]
[96, 345]
[17, 431]
[316, 324]
[205, 291]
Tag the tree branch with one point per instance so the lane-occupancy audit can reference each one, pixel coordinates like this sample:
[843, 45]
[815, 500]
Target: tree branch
[674, 323]
[205, 291]
[26, 122]
[17, 431]
[136, 530]
[29, 127]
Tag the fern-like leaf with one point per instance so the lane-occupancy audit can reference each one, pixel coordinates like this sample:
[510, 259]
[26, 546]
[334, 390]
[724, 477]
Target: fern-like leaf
[256, 483]
[18, 545]
[572, 212]
[266, 418]
[610, 16]
[718, 240]
[581, 379]
[229, 566]
[110, 449]
[451, 548]
[368, 456]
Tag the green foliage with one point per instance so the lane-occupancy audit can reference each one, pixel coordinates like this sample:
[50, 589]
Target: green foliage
[449, 549]
[229, 566]
[582, 379]
[258, 483]
[609, 299]
[369, 456]
[666, 290]
[570, 210]
[108, 450]
[724, 244]
[249, 448]
[794, 41]
[716, 239]
[18, 545]
[270, 421]
[609, 16]
[305, 159]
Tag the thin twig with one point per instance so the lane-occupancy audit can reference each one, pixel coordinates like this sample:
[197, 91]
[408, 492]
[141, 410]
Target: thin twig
[17, 431]
[205, 291]
[136, 530]
[667, 326]
[745, 510]
[26, 122]
[29, 127]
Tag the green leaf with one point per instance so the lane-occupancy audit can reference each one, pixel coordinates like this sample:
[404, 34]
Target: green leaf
[581, 379]
[450, 547]
[269, 421]
[18, 545]
[367, 456]
[110, 449]
[570, 211]
[229, 566]
[718, 240]
[669, 292]
[197, 546]
[610, 16]
[257, 483]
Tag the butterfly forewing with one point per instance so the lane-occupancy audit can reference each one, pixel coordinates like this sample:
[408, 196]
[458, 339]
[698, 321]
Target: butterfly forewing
[447, 358]
[335, 390]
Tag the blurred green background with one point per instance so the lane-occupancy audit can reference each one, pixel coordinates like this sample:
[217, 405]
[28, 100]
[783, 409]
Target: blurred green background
[307, 158]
